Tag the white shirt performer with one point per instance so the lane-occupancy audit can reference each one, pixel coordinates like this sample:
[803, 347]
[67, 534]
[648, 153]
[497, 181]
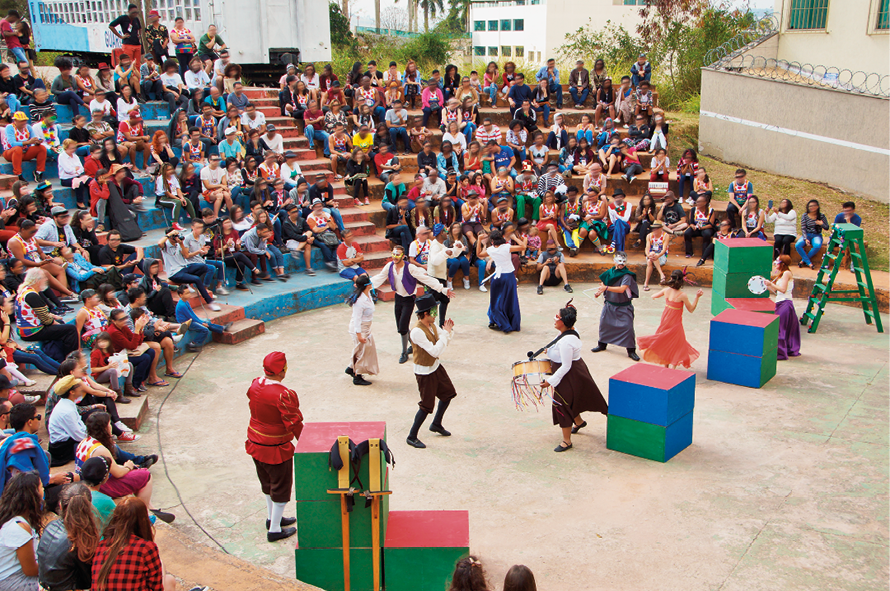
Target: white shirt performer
[432, 379]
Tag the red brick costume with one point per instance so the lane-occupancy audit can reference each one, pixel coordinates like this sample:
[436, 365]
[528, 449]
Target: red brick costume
[275, 421]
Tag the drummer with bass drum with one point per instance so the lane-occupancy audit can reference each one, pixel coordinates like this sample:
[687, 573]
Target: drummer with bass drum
[574, 389]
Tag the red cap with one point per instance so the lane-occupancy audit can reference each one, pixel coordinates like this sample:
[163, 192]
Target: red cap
[154, 13]
[135, 114]
[103, 66]
[274, 363]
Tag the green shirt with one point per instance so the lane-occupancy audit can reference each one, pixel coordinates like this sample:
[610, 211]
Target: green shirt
[104, 506]
[205, 40]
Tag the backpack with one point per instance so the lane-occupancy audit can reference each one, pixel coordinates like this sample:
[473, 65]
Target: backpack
[121, 217]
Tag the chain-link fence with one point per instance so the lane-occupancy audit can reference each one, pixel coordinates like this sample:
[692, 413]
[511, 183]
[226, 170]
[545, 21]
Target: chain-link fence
[734, 56]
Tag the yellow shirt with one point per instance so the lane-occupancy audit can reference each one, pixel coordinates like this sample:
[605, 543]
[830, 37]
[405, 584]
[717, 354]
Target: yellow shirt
[365, 143]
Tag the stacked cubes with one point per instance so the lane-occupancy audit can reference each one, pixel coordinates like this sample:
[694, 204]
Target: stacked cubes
[319, 553]
[735, 261]
[422, 548]
[742, 348]
[650, 411]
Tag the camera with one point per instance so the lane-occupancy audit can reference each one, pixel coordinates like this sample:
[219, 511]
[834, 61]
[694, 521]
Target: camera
[174, 235]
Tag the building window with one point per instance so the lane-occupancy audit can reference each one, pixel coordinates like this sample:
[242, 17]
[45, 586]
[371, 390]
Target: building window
[808, 14]
[883, 22]
[506, 51]
[506, 24]
[478, 25]
[492, 25]
[493, 51]
[519, 51]
[479, 50]
[519, 24]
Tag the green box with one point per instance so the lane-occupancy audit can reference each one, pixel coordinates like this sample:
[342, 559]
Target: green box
[420, 569]
[319, 523]
[743, 255]
[735, 285]
[649, 441]
[312, 475]
[323, 567]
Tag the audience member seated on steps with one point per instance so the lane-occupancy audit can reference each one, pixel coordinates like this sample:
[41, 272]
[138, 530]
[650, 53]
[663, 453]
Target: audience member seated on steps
[848, 215]
[812, 223]
[160, 298]
[21, 516]
[619, 218]
[66, 429]
[202, 328]
[227, 247]
[215, 186]
[785, 229]
[21, 143]
[71, 172]
[158, 334]
[142, 356]
[107, 372]
[702, 220]
[672, 215]
[350, 257]
[297, 235]
[67, 544]
[14, 351]
[124, 257]
[180, 270]
[256, 242]
[198, 244]
[36, 324]
[752, 220]
[126, 478]
[321, 224]
[94, 473]
[168, 194]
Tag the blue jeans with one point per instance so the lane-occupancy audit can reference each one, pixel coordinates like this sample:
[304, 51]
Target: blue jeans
[585, 134]
[199, 275]
[461, 263]
[557, 90]
[277, 259]
[327, 252]
[619, 232]
[241, 197]
[80, 193]
[335, 213]
[519, 154]
[387, 205]
[469, 131]
[579, 99]
[220, 269]
[38, 359]
[401, 235]
[83, 151]
[682, 179]
[635, 79]
[122, 456]
[492, 91]
[20, 54]
[202, 332]
[399, 132]
[312, 134]
[427, 111]
[815, 241]
[552, 140]
[69, 97]
[13, 102]
[350, 273]
[480, 264]
[545, 108]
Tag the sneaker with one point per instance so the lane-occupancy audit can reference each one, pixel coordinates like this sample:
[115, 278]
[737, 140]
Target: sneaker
[214, 307]
[176, 338]
[183, 328]
[690, 201]
[221, 290]
[241, 287]
[358, 202]
[177, 227]
[310, 272]
[540, 290]
[38, 176]
[120, 425]
[568, 288]
[31, 398]
[227, 326]
[149, 461]
[255, 281]
[482, 288]
[367, 201]
[68, 299]
[127, 436]
[466, 283]
[449, 285]
[29, 383]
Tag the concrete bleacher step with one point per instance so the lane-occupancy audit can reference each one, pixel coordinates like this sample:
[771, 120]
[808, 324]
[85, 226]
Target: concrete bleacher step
[133, 414]
[241, 331]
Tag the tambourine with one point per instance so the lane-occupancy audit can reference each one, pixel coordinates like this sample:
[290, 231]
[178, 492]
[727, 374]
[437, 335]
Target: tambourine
[757, 285]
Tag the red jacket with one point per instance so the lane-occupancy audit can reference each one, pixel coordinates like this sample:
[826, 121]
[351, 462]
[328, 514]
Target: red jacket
[123, 338]
[275, 421]
[97, 192]
[91, 166]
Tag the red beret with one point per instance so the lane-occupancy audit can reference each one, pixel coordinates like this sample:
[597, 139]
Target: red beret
[274, 363]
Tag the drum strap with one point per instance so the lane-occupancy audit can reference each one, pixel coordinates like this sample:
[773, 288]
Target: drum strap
[554, 341]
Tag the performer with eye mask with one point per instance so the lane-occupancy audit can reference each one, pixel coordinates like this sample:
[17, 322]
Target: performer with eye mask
[619, 288]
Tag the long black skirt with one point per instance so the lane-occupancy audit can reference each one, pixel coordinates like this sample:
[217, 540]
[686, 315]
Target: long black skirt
[576, 393]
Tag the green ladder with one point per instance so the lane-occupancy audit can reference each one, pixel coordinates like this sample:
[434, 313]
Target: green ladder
[845, 238]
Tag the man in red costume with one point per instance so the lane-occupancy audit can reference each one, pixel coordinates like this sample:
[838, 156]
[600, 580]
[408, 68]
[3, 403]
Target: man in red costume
[275, 421]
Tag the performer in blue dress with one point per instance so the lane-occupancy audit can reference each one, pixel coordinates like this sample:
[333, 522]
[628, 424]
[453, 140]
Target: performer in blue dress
[503, 309]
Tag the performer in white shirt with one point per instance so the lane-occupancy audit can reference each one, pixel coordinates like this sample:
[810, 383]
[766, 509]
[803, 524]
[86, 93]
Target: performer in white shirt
[575, 390]
[405, 286]
[432, 379]
[364, 351]
[437, 265]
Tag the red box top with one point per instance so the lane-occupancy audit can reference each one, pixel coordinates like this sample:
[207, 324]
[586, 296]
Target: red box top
[320, 437]
[746, 242]
[752, 304]
[653, 376]
[428, 529]
[745, 318]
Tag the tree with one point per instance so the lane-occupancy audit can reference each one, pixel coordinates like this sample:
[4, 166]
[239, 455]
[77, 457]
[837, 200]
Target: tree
[460, 9]
[430, 8]
[340, 33]
[394, 18]
[344, 8]
[377, 14]
[660, 17]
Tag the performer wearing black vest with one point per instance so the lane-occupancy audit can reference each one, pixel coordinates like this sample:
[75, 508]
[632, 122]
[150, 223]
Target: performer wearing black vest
[405, 285]
[575, 390]
[432, 379]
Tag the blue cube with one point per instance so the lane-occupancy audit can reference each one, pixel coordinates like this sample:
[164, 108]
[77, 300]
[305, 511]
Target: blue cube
[652, 394]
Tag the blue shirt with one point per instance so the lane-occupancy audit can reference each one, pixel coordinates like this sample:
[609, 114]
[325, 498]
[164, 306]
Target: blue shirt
[551, 79]
[519, 93]
[855, 220]
[502, 158]
[184, 312]
[235, 101]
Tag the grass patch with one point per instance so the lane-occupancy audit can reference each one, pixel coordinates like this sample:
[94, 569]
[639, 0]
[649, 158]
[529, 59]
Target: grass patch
[875, 215]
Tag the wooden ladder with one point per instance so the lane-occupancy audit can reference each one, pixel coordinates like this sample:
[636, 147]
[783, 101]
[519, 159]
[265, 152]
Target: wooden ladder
[845, 238]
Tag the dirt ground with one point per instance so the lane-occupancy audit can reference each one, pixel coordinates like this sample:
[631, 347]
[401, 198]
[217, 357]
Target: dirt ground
[785, 487]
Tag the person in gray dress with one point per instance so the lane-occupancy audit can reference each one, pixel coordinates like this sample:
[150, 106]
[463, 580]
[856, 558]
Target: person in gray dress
[619, 288]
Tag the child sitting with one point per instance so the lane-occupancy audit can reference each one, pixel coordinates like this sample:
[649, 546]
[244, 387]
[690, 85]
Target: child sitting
[534, 243]
[202, 328]
[109, 372]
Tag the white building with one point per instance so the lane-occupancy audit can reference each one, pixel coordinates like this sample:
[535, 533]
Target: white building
[533, 30]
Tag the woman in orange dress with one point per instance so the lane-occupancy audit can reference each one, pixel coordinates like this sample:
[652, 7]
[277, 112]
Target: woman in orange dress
[668, 346]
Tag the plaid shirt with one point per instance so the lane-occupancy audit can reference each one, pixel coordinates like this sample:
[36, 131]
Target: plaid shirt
[136, 568]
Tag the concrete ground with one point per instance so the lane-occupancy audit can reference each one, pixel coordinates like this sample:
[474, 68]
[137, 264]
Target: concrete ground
[783, 488]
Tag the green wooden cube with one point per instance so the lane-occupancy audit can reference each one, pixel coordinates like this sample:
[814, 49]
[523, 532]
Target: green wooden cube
[312, 476]
[645, 440]
[743, 255]
[323, 567]
[319, 523]
[422, 548]
[735, 285]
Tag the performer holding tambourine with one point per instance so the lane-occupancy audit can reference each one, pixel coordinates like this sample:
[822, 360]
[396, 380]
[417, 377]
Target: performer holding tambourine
[575, 390]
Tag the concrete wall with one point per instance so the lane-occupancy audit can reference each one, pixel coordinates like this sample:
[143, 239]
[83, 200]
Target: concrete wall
[829, 136]
[849, 39]
[532, 39]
